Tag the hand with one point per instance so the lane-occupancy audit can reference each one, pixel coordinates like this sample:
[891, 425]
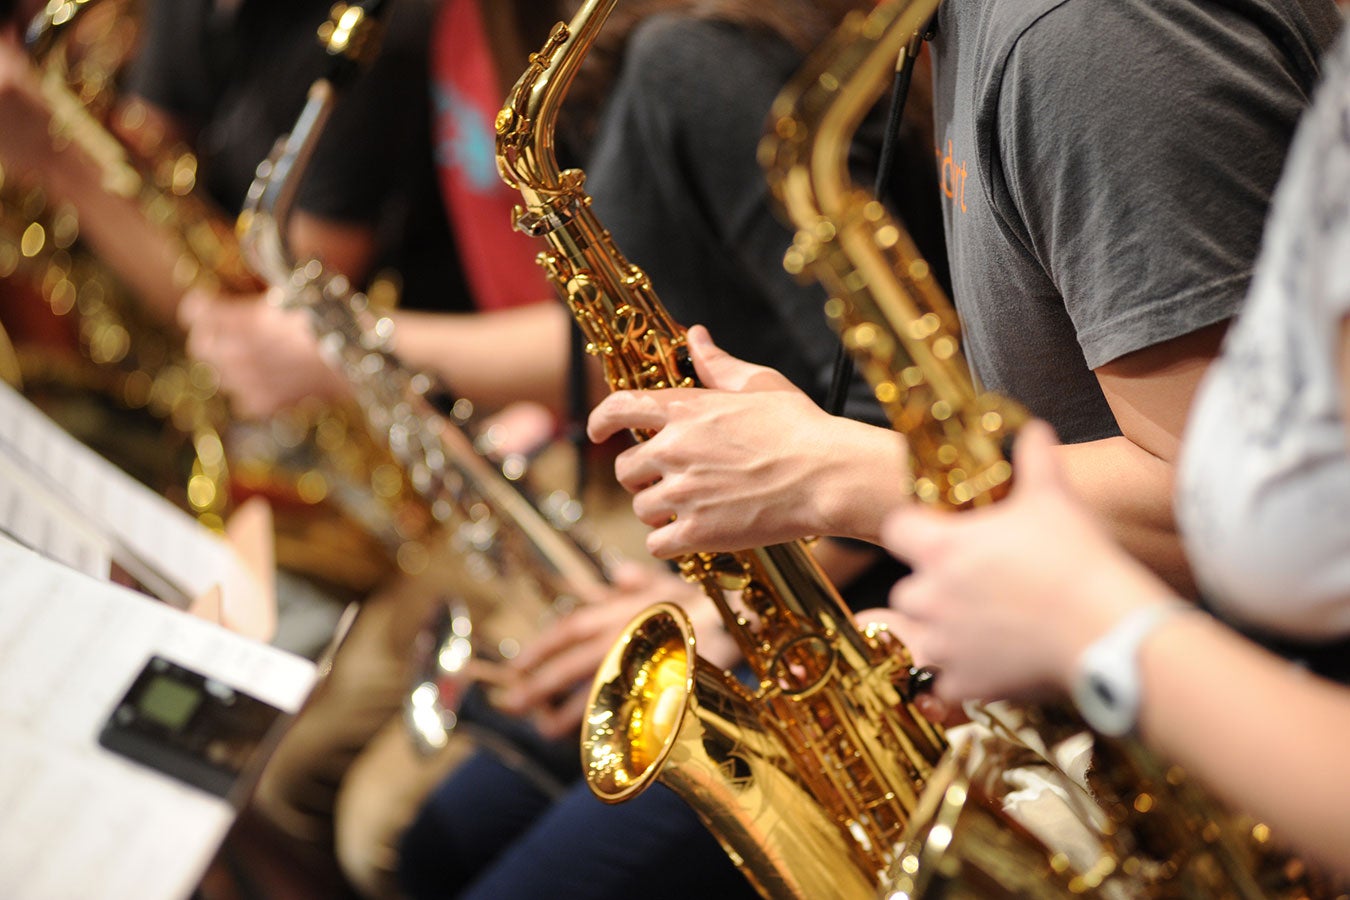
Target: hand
[561, 662]
[747, 460]
[1003, 600]
[520, 429]
[267, 357]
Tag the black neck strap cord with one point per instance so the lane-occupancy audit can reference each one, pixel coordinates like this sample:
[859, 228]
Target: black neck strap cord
[904, 77]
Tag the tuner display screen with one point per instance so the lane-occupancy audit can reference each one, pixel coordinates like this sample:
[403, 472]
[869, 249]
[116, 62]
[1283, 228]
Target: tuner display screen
[169, 703]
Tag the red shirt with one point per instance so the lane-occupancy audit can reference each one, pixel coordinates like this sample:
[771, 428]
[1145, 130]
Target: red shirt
[498, 261]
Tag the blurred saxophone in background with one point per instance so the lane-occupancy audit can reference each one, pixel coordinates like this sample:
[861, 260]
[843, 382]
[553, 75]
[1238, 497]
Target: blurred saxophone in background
[79, 49]
[343, 511]
[527, 560]
[1162, 836]
[528, 557]
[809, 778]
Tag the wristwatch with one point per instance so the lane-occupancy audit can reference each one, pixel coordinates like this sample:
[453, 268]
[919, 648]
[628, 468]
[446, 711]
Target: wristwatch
[1106, 686]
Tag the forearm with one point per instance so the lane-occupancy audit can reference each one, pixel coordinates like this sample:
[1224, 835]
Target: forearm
[110, 218]
[1263, 734]
[492, 358]
[862, 478]
[1130, 491]
[142, 256]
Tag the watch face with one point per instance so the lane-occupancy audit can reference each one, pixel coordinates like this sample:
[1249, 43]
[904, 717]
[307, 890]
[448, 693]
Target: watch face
[1104, 701]
[1102, 688]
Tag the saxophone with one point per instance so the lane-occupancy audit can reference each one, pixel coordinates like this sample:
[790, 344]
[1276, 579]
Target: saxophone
[1162, 836]
[343, 509]
[807, 780]
[529, 557]
[78, 49]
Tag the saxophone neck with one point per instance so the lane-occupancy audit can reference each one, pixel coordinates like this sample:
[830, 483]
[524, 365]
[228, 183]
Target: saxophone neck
[526, 126]
[887, 306]
[350, 39]
[813, 120]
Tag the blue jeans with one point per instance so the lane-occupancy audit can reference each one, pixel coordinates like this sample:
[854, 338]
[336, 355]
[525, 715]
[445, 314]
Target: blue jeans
[488, 833]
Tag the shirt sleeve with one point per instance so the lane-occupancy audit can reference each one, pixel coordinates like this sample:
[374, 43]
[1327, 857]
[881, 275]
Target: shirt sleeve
[168, 70]
[1140, 180]
[380, 128]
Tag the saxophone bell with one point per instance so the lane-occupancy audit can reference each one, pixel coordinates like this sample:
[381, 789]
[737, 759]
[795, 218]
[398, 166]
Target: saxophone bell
[659, 711]
[442, 653]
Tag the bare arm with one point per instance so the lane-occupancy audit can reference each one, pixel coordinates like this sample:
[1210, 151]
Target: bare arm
[754, 461]
[1303, 721]
[1267, 736]
[1128, 481]
[110, 222]
[268, 357]
[492, 358]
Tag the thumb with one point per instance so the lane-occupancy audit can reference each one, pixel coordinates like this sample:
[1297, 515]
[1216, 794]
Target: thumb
[192, 307]
[1035, 463]
[914, 532]
[719, 370]
[630, 576]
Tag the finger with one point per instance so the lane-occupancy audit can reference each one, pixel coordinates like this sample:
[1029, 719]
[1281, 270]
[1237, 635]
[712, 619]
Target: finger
[1035, 459]
[717, 368]
[192, 307]
[560, 674]
[636, 467]
[934, 708]
[550, 642]
[671, 540]
[561, 720]
[651, 508]
[912, 598]
[490, 672]
[914, 533]
[627, 411]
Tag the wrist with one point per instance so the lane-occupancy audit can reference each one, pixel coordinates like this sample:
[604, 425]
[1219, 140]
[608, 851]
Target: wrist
[862, 481]
[1106, 683]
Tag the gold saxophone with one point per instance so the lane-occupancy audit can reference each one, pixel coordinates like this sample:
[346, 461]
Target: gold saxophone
[1163, 837]
[78, 48]
[310, 458]
[807, 780]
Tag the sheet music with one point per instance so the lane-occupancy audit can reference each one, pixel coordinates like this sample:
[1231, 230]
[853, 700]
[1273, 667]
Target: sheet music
[38, 520]
[130, 517]
[76, 820]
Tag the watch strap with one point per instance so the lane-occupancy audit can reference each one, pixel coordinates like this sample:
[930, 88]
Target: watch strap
[1106, 686]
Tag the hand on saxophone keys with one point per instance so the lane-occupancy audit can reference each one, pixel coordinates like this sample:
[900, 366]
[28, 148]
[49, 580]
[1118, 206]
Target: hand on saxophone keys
[747, 460]
[551, 677]
[986, 582]
[266, 357]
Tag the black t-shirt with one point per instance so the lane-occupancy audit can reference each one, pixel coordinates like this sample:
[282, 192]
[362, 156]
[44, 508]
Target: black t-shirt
[674, 176]
[237, 80]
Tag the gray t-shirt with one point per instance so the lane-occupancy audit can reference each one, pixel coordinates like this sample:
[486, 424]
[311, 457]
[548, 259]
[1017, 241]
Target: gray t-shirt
[1106, 166]
[1264, 482]
[674, 176]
